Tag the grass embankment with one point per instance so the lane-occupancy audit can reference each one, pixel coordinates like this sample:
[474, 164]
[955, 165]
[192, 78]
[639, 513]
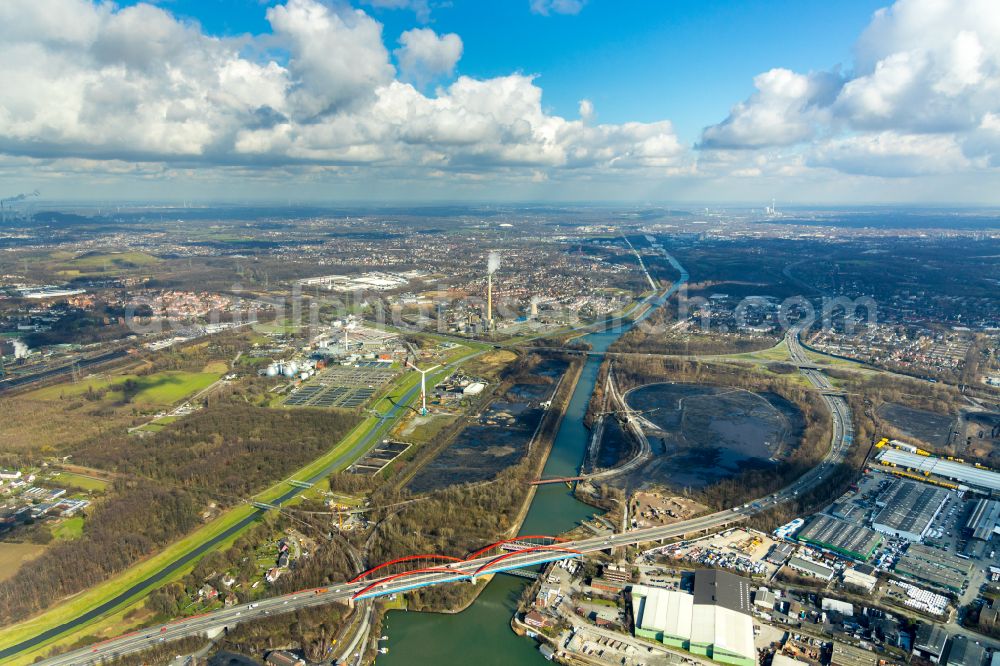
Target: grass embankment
[111, 624]
[778, 352]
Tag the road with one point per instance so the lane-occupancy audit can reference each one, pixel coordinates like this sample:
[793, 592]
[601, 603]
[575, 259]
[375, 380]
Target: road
[841, 439]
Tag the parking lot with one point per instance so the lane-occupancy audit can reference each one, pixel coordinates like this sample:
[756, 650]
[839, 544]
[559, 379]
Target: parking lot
[739, 550]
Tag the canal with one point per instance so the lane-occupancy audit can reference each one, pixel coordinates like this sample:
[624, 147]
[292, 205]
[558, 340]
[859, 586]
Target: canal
[481, 634]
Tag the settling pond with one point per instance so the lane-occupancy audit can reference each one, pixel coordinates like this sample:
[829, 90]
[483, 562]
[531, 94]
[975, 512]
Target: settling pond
[705, 434]
[500, 438]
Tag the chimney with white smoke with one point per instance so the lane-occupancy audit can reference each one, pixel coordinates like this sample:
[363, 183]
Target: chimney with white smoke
[492, 264]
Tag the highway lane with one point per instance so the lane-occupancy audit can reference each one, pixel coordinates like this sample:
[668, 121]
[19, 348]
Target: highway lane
[841, 440]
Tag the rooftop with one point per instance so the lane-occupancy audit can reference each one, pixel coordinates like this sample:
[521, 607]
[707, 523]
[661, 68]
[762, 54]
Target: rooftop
[839, 535]
[984, 519]
[949, 469]
[909, 507]
[723, 589]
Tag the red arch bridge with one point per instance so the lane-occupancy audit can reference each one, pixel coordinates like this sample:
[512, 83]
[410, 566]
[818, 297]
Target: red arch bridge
[432, 568]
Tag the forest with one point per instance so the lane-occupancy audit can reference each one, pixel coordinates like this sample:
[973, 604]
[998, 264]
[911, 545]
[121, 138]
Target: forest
[226, 452]
[221, 454]
[134, 523]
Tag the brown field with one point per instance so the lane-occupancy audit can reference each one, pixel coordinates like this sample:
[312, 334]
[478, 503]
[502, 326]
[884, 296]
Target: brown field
[490, 363]
[13, 555]
[51, 425]
[653, 508]
[217, 367]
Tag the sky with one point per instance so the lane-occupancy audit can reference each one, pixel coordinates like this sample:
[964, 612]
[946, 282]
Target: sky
[804, 101]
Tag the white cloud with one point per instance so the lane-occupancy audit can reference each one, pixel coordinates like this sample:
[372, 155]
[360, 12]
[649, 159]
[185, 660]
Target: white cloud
[922, 67]
[93, 82]
[546, 7]
[785, 110]
[92, 88]
[338, 58]
[892, 154]
[424, 55]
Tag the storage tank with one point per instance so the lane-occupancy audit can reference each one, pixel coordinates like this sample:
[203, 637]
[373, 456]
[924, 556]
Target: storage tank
[290, 369]
[273, 370]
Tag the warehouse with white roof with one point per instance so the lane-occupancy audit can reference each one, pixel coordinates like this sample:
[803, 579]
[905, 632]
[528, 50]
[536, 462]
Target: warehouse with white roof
[714, 622]
[980, 479]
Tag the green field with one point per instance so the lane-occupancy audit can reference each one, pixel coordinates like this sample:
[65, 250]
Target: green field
[159, 424]
[778, 352]
[423, 429]
[98, 263]
[71, 528]
[161, 388]
[71, 480]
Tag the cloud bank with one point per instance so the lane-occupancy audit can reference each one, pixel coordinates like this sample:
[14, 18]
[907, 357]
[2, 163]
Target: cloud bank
[923, 98]
[88, 87]
[87, 80]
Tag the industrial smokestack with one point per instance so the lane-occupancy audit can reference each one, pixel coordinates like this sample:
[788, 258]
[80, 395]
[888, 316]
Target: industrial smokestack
[492, 264]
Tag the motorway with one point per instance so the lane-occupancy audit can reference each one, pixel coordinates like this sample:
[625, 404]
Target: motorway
[841, 440]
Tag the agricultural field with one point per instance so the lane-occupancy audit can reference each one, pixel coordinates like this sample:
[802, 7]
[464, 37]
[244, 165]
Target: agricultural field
[13, 555]
[67, 264]
[161, 388]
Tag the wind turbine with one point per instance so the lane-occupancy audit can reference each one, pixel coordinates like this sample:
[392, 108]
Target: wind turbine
[423, 385]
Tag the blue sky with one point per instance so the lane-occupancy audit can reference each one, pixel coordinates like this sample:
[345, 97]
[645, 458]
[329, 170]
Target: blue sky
[688, 60]
[807, 101]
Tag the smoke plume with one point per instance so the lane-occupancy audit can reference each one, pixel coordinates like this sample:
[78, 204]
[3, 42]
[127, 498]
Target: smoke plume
[19, 197]
[493, 263]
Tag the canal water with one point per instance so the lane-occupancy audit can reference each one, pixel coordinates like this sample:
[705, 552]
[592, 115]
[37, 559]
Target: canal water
[481, 634]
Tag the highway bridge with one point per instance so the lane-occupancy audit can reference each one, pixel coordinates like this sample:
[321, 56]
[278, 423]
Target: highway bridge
[435, 569]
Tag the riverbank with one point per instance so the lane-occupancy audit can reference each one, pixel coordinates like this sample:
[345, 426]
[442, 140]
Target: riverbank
[481, 634]
[548, 427]
[542, 441]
